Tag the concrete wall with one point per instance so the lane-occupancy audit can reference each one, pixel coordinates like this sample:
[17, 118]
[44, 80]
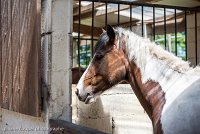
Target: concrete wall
[191, 37]
[60, 73]
[56, 58]
[45, 48]
[117, 111]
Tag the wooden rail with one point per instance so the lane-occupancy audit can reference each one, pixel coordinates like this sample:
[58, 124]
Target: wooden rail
[65, 127]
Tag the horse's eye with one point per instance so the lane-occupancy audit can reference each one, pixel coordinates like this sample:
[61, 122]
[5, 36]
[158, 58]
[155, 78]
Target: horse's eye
[99, 56]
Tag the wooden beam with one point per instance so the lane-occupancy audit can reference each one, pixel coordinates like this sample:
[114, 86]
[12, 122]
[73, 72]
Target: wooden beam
[65, 127]
[74, 4]
[112, 10]
[127, 24]
[84, 16]
[168, 17]
[148, 1]
[170, 28]
[88, 8]
[87, 30]
[102, 12]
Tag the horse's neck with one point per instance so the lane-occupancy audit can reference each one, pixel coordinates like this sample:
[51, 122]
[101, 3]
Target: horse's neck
[172, 82]
[150, 95]
[156, 65]
[155, 81]
[157, 87]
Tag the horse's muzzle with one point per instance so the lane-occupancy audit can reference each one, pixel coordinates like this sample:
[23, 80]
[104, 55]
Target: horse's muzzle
[87, 98]
[78, 95]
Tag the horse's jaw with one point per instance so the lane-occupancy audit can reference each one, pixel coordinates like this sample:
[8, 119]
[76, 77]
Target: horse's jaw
[90, 99]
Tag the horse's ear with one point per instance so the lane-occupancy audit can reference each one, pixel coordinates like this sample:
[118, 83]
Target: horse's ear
[110, 33]
[103, 30]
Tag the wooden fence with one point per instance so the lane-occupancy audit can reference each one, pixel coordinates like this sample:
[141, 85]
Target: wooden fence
[20, 56]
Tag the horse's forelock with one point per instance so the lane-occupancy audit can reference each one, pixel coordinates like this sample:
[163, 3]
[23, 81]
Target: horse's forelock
[103, 39]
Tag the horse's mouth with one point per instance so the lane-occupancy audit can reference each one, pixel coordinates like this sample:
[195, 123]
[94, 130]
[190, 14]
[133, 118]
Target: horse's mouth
[90, 99]
[87, 100]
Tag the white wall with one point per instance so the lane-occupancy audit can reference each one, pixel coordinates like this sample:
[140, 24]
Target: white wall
[117, 111]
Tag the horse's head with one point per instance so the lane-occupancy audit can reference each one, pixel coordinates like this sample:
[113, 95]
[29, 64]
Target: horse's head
[107, 68]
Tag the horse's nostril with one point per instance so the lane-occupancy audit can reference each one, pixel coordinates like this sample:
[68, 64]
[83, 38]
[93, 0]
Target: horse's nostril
[76, 92]
[88, 94]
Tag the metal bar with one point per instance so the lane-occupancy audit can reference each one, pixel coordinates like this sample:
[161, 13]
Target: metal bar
[165, 28]
[84, 38]
[154, 26]
[79, 23]
[175, 32]
[142, 20]
[106, 16]
[131, 17]
[196, 52]
[136, 3]
[118, 20]
[1, 96]
[86, 54]
[186, 34]
[92, 42]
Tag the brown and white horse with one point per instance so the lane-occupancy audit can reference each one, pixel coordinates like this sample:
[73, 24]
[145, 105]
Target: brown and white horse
[167, 87]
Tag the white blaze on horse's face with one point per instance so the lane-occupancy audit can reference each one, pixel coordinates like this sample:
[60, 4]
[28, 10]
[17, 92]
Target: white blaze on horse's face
[84, 93]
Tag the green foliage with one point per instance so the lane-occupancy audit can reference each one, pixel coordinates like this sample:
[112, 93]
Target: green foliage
[181, 51]
[84, 55]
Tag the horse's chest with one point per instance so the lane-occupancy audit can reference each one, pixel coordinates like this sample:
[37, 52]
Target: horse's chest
[183, 115]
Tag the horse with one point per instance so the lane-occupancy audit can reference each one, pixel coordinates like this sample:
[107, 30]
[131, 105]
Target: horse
[167, 87]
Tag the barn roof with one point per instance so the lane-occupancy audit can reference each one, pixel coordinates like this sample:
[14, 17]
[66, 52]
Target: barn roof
[112, 10]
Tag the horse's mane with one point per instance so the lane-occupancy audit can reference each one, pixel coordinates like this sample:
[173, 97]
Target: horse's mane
[140, 47]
